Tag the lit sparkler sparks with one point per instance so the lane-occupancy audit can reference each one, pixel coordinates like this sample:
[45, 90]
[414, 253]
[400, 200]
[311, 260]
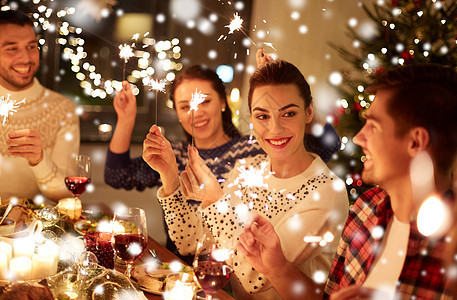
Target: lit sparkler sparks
[126, 51]
[157, 86]
[235, 24]
[135, 36]
[252, 177]
[197, 98]
[8, 107]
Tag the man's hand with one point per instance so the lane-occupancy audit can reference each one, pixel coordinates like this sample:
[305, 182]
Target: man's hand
[360, 293]
[26, 143]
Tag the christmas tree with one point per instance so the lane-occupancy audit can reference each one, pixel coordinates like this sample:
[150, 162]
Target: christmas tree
[402, 32]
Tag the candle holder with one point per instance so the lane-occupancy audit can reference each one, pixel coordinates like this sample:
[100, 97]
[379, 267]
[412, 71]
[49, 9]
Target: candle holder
[180, 286]
[70, 207]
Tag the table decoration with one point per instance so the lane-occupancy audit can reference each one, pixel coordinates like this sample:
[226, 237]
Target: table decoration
[100, 244]
[180, 287]
[151, 277]
[7, 226]
[70, 207]
[7, 249]
[20, 268]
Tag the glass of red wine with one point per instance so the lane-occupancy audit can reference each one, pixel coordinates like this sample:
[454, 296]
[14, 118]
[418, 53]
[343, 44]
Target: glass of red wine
[78, 175]
[131, 236]
[213, 265]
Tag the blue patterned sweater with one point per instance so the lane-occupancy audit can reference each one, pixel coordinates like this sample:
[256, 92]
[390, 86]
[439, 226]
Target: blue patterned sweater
[121, 171]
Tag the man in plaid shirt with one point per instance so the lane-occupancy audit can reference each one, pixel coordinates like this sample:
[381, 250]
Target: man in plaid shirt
[381, 254]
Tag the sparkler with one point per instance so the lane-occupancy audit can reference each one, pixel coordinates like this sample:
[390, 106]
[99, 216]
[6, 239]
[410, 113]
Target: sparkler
[126, 52]
[8, 107]
[157, 86]
[236, 24]
[196, 99]
[252, 177]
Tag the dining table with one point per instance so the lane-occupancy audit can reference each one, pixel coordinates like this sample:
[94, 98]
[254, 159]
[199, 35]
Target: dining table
[162, 252]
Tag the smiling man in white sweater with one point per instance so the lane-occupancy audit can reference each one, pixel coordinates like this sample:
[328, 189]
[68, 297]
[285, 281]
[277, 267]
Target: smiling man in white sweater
[37, 140]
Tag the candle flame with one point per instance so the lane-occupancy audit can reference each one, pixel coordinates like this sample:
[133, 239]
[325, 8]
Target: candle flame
[126, 51]
[197, 98]
[8, 107]
[235, 23]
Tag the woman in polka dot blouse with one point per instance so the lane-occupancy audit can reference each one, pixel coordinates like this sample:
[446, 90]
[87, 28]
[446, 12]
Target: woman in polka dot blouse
[291, 187]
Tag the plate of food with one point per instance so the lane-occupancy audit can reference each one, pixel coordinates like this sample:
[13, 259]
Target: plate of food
[152, 278]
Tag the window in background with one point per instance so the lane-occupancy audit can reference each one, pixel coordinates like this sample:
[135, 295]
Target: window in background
[80, 52]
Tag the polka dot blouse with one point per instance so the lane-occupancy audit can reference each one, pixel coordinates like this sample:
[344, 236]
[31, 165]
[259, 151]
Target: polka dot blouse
[307, 205]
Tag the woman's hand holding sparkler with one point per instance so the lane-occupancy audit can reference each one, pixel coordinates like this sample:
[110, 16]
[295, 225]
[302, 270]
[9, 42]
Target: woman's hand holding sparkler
[158, 154]
[198, 182]
[125, 106]
[261, 57]
[260, 244]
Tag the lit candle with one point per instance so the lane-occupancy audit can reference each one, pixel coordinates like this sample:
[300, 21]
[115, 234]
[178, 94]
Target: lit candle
[7, 249]
[48, 252]
[24, 247]
[3, 266]
[70, 207]
[21, 268]
[176, 289]
[42, 266]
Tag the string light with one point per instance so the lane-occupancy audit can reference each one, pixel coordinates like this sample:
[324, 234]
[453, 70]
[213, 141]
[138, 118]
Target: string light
[93, 82]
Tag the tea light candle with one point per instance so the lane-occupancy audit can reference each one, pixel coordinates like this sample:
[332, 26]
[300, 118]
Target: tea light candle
[7, 249]
[176, 289]
[3, 266]
[50, 251]
[24, 247]
[42, 266]
[21, 268]
[70, 207]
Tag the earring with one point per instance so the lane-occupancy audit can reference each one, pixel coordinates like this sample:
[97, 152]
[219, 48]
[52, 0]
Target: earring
[223, 109]
[179, 121]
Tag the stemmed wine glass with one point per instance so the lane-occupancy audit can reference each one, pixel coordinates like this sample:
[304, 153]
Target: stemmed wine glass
[78, 174]
[213, 265]
[131, 236]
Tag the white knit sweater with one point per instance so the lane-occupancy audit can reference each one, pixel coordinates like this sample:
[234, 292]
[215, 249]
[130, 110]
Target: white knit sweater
[309, 204]
[54, 117]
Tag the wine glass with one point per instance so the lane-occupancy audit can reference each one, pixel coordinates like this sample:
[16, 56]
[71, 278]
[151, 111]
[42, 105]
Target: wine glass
[213, 264]
[78, 175]
[131, 235]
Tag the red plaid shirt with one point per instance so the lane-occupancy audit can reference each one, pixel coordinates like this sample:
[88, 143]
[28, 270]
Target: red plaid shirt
[423, 273]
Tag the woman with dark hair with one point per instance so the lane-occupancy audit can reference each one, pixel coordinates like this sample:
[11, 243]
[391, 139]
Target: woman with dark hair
[218, 141]
[297, 191]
